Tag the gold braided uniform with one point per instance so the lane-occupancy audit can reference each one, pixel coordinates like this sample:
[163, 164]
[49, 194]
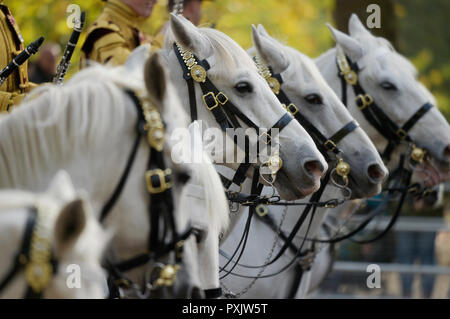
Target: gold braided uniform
[13, 90]
[158, 40]
[113, 35]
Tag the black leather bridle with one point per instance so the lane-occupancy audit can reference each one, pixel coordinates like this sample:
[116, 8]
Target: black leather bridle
[401, 177]
[35, 257]
[348, 73]
[161, 209]
[226, 114]
[326, 146]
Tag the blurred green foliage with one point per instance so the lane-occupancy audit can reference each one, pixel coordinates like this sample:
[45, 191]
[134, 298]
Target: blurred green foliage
[422, 26]
[424, 38]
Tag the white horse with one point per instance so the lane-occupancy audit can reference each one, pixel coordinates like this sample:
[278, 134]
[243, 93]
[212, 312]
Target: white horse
[233, 72]
[308, 91]
[88, 127]
[392, 81]
[71, 232]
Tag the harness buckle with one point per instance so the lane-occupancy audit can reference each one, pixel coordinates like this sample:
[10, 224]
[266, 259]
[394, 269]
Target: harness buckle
[291, 108]
[363, 101]
[210, 101]
[401, 133]
[160, 178]
[330, 145]
[268, 139]
[221, 98]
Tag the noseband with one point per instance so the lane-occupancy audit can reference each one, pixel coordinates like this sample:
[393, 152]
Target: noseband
[35, 256]
[159, 181]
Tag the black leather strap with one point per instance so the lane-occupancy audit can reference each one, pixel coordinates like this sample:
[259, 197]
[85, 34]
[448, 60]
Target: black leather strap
[417, 116]
[213, 293]
[24, 249]
[126, 172]
[324, 144]
[343, 132]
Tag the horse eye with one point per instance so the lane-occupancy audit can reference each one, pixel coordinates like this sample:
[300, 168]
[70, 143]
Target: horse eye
[199, 235]
[388, 86]
[244, 87]
[314, 99]
[183, 178]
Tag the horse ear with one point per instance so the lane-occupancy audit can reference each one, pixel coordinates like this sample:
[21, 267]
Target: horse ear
[350, 46]
[61, 186]
[69, 225]
[355, 26]
[137, 58]
[188, 36]
[269, 50]
[155, 78]
[262, 30]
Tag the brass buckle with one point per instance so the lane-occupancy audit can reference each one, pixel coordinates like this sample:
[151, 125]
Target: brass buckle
[221, 98]
[365, 101]
[291, 108]
[261, 210]
[210, 108]
[268, 139]
[330, 145]
[163, 183]
[401, 133]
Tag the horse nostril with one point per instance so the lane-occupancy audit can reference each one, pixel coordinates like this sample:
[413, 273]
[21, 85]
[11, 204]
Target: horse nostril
[314, 168]
[197, 293]
[376, 173]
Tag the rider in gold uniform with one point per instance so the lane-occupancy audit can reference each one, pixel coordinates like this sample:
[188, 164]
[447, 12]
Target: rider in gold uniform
[116, 32]
[16, 86]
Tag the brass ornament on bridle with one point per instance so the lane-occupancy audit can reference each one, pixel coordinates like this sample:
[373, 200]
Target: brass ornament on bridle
[38, 269]
[167, 276]
[343, 169]
[154, 125]
[418, 154]
[197, 72]
[349, 75]
[264, 71]
[275, 163]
